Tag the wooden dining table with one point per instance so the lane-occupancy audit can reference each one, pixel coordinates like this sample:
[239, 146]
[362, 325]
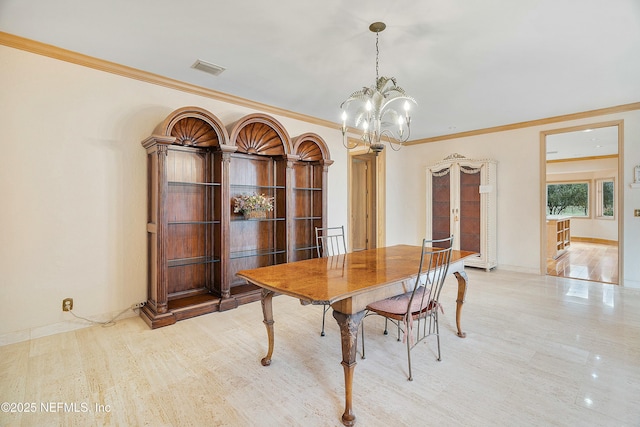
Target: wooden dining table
[348, 283]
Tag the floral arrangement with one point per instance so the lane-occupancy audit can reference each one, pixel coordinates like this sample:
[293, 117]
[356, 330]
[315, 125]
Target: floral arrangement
[253, 202]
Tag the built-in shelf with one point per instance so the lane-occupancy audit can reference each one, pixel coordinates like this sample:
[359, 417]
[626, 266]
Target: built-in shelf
[558, 235]
[206, 184]
[189, 261]
[256, 253]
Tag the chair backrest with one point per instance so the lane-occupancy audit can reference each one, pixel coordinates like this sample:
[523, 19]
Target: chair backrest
[330, 241]
[433, 270]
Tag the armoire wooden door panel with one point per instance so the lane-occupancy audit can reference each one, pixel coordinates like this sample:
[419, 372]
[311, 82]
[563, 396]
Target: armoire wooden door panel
[441, 205]
[470, 210]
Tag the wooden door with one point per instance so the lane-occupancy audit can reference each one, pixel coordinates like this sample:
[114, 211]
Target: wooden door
[363, 202]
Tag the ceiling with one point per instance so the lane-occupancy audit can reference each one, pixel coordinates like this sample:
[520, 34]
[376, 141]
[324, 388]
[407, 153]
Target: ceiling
[469, 64]
[583, 143]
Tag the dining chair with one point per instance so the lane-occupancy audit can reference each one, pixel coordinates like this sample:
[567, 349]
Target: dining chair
[416, 312]
[330, 241]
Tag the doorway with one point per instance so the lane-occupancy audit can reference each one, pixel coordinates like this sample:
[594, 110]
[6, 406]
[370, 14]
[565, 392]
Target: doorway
[581, 239]
[362, 202]
[366, 200]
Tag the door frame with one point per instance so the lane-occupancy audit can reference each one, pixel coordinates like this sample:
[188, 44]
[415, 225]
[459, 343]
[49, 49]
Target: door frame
[620, 199]
[379, 181]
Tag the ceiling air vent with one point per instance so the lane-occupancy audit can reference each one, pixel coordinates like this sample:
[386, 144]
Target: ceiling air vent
[208, 67]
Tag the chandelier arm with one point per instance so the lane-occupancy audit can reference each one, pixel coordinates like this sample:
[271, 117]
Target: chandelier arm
[393, 141]
[398, 98]
[345, 142]
[390, 140]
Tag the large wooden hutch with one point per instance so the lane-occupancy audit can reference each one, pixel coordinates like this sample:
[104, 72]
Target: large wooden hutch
[196, 243]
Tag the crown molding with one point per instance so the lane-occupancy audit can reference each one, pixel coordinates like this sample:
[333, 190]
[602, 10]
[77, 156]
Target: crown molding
[540, 122]
[55, 52]
[582, 159]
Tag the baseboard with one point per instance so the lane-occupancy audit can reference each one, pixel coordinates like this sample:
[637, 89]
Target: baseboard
[518, 269]
[631, 284]
[594, 240]
[60, 327]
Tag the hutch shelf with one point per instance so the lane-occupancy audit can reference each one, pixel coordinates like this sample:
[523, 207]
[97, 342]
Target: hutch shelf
[196, 243]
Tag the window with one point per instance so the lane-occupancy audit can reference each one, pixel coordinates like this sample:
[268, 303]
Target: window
[569, 198]
[605, 191]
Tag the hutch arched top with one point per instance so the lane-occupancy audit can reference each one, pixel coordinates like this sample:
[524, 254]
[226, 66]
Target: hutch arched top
[310, 147]
[260, 134]
[193, 126]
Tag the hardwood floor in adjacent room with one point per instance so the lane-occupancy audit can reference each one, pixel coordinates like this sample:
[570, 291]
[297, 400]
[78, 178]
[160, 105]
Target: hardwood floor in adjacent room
[540, 351]
[587, 261]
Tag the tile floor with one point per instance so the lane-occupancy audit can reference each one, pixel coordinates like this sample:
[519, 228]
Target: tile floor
[540, 351]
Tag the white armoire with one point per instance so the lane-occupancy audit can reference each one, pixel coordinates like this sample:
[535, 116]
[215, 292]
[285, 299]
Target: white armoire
[461, 201]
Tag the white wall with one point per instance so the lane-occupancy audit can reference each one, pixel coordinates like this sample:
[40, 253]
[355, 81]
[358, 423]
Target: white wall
[631, 224]
[73, 189]
[517, 191]
[519, 200]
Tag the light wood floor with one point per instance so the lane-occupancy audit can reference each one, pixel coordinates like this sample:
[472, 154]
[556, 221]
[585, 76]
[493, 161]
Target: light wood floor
[540, 351]
[587, 261]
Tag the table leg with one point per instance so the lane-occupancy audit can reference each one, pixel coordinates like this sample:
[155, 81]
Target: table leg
[349, 325]
[267, 312]
[462, 291]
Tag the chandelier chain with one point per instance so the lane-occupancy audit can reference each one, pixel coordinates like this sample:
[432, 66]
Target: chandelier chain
[377, 54]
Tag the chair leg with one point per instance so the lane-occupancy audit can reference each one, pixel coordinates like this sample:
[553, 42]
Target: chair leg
[409, 358]
[437, 329]
[386, 320]
[362, 336]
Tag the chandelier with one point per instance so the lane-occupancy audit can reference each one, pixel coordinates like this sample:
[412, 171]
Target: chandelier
[373, 110]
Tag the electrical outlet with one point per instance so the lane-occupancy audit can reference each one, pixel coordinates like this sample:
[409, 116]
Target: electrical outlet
[67, 304]
[138, 305]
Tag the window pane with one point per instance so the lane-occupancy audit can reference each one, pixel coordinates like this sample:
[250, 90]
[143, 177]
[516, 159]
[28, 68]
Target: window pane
[606, 198]
[568, 199]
